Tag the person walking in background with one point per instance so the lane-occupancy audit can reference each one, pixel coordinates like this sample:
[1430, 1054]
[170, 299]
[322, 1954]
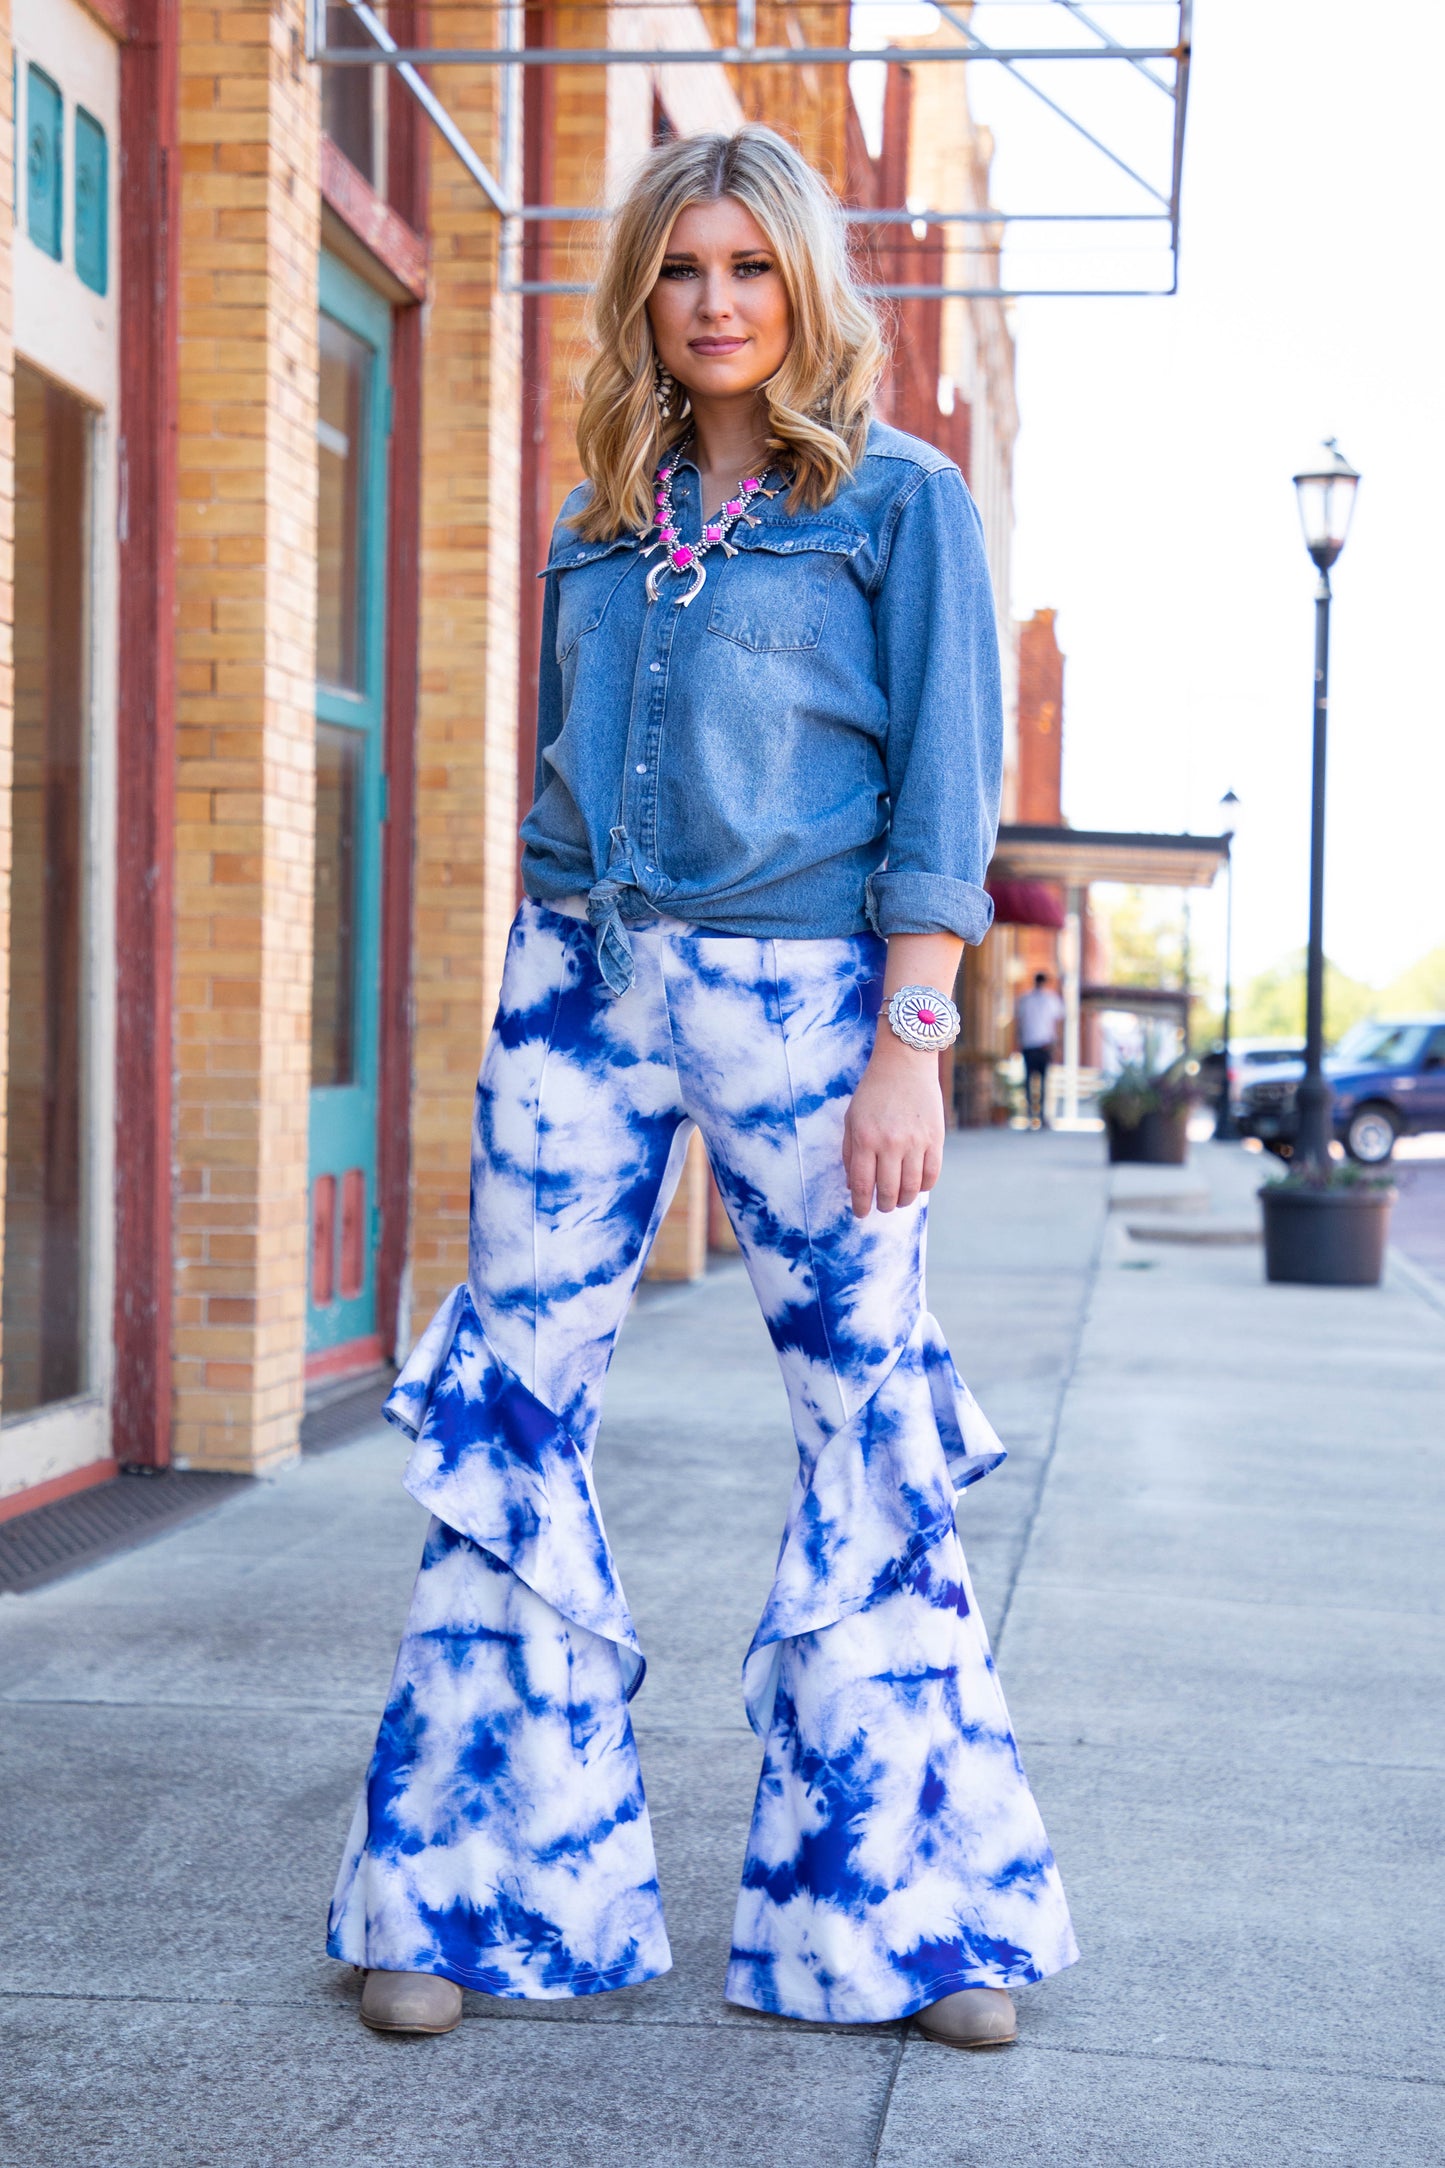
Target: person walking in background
[1037, 1017]
[769, 665]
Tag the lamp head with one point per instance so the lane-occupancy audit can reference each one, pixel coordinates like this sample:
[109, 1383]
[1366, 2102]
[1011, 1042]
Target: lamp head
[1228, 813]
[1326, 495]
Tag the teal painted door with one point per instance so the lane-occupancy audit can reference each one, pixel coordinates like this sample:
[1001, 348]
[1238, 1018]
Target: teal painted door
[351, 445]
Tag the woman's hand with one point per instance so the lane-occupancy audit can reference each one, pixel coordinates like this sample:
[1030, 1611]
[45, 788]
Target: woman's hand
[893, 1132]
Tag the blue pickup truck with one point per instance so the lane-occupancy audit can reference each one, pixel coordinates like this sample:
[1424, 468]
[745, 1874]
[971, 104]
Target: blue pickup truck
[1388, 1079]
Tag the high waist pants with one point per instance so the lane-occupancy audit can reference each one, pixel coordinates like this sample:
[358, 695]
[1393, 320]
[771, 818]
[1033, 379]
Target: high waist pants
[502, 1836]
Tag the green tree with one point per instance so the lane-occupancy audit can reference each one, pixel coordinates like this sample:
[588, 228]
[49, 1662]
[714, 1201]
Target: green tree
[1418, 991]
[1143, 937]
[1272, 1005]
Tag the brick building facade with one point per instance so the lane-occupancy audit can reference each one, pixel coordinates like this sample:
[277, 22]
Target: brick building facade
[292, 436]
[1039, 798]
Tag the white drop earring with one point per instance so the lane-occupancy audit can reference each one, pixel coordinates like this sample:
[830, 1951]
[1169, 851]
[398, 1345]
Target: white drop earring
[664, 389]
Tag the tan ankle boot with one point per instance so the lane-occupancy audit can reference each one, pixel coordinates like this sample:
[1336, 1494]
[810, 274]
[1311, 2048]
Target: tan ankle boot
[414, 2002]
[975, 2017]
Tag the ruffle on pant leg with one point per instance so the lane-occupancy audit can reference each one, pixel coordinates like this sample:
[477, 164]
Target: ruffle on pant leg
[895, 1852]
[496, 1465]
[502, 1837]
[877, 1496]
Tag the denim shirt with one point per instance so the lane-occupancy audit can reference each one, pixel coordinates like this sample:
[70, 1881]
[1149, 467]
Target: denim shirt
[811, 747]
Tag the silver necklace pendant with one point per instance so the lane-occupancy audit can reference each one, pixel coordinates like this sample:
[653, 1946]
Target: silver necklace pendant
[699, 574]
[687, 557]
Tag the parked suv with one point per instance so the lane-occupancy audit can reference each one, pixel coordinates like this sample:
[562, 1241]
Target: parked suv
[1389, 1082]
[1246, 1058]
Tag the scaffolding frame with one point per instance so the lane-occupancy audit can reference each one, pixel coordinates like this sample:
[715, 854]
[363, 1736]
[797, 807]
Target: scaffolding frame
[507, 198]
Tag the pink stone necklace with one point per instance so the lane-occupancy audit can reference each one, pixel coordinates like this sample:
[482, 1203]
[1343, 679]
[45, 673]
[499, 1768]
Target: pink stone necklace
[687, 556]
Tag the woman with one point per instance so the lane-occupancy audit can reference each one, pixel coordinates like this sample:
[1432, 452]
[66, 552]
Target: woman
[742, 715]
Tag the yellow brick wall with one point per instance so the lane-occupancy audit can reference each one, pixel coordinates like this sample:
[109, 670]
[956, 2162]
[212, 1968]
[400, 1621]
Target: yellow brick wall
[466, 847]
[680, 1251]
[805, 103]
[245, 713]
[7, 562]
[580, 149]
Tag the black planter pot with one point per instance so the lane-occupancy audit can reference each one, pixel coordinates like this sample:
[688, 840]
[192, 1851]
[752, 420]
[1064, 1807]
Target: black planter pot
[1155, 1140]
[1326, 1238]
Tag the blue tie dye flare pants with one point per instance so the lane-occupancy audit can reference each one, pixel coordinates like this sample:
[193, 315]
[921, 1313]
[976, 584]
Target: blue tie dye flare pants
[502, 1835]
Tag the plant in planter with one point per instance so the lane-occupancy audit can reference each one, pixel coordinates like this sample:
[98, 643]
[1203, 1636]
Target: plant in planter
[1326, 1225]
[1146, 1114]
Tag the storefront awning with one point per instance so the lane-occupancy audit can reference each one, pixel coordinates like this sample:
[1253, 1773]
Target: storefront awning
[1171, 1001]
[1026, 903]
[1075, 857]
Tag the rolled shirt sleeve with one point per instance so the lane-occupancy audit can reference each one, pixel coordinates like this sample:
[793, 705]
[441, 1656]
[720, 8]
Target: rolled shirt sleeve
[938, 666]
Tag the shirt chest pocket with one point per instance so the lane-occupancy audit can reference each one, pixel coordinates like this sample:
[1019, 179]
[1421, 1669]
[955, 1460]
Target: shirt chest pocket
[588, 575]
[775, 593]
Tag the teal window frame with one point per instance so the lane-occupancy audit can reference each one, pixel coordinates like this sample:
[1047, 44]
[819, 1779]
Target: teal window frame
[44, 147]
[92, 202]
[343, 1117]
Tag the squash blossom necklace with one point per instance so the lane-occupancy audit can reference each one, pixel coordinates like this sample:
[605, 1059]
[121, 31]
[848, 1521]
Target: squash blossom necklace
[687, 556]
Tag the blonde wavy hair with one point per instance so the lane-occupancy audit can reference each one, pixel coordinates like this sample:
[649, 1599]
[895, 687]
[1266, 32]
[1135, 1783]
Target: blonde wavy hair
[821, 396]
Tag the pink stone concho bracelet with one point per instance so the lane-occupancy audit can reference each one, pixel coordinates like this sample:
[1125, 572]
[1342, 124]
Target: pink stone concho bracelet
[922, 1017]
[687, 556]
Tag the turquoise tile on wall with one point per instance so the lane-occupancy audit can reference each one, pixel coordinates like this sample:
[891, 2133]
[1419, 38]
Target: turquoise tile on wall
[44, 160]
[92, 202]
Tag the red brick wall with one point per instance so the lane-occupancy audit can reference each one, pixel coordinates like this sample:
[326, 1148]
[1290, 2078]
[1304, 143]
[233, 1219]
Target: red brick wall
[1041, 721]
[1041, 737]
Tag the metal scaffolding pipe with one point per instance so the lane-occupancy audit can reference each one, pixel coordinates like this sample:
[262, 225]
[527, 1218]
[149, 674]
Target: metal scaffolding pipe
[513, 57]
[731, 56]
[599, 213]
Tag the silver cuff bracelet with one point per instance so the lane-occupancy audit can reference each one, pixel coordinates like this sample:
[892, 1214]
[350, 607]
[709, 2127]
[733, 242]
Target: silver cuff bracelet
[923, 1017]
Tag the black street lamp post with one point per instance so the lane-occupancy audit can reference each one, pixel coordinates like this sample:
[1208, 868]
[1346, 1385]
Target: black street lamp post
[1226, 1129]
[1326, 496]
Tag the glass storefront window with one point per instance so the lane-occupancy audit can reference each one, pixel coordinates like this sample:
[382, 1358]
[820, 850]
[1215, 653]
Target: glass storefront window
[348, 97]
[341, 1152]
[341, 455]
[333, 985]
[45, 1232]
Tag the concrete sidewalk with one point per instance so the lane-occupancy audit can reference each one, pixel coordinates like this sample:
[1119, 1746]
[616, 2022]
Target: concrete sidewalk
[1212, 1568]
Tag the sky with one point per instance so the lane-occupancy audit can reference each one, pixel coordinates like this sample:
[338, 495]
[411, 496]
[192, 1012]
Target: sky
[1158, 438]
